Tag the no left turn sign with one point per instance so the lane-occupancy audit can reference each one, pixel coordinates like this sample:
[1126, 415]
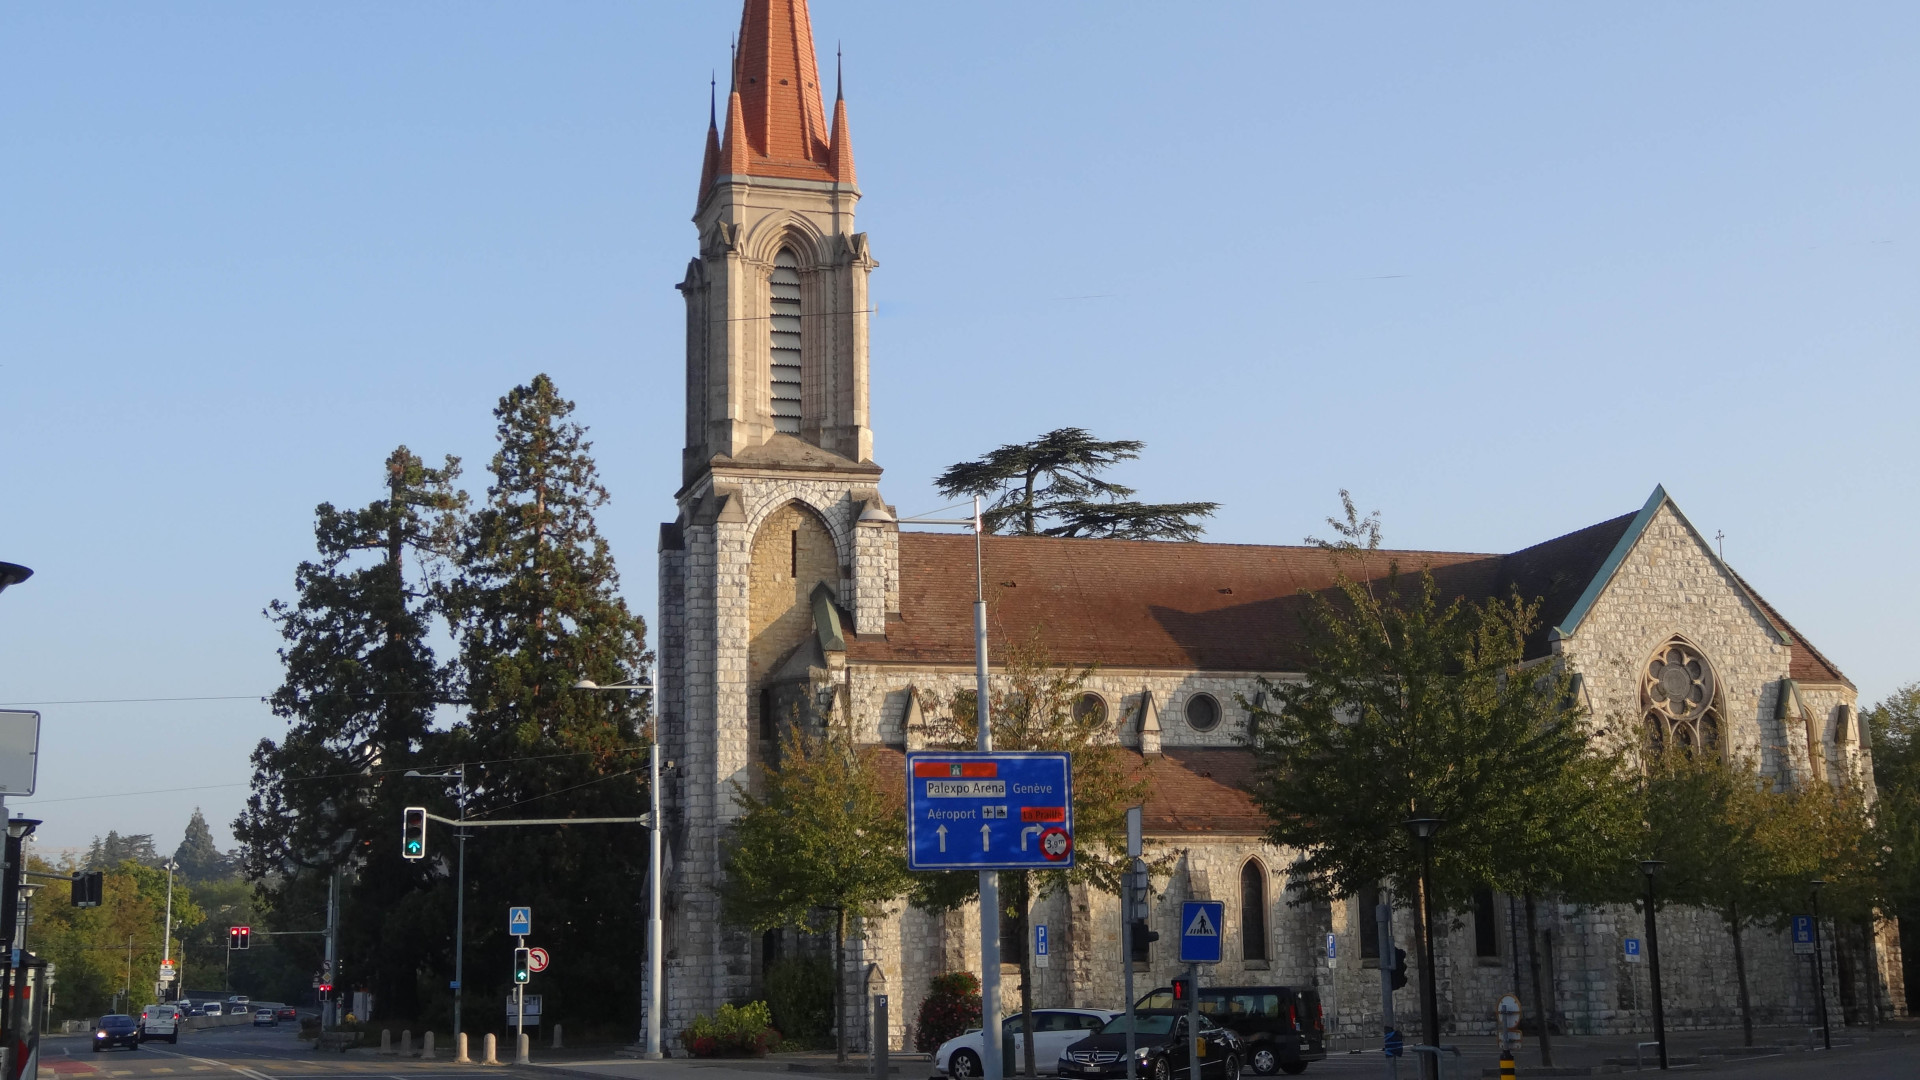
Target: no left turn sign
[537, 959]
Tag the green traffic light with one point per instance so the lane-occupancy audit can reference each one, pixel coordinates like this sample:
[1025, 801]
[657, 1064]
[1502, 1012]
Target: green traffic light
[413, 845]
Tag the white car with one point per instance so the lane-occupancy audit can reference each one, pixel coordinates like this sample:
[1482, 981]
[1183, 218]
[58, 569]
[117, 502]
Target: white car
[160, 1022]
[211, 1008]
[1053, 1031]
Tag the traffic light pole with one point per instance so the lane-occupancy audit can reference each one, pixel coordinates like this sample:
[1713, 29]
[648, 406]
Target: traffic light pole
[1383, 916]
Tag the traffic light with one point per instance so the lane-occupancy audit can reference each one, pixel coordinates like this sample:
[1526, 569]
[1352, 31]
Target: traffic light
[1399, 978]
[1182, 989]
[326, 988]
[88, 888]
[1142, 937]
[239, 937]
[521, 968]
[413, 833]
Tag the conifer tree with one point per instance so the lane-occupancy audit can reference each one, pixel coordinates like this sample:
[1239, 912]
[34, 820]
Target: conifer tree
[359, 694]
[1052, 487]
[200, 860]
[536, 608]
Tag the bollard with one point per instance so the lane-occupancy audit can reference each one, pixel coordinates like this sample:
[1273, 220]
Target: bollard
[556, 1037]
[881, 1036]
[488, 1045]
[406, 1042]
[386, 1041]
[1506, 1065]
[460, 1049]
[520, 1045]
[426, 1046]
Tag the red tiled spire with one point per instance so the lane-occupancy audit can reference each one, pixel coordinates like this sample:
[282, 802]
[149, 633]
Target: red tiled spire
[775, 124]
[710, 164]
[840, 144]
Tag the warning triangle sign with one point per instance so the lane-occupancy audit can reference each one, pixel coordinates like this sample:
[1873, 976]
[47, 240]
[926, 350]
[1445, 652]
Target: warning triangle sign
[1201, 926]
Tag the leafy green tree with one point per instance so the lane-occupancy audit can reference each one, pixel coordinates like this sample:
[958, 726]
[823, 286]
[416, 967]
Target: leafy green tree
[535, 607]
[1052, 487]
[1417, 705]
[359, 695]
[1894, 724]
[114, 849]
[107, 956]
[823, 836]
[1733, 844]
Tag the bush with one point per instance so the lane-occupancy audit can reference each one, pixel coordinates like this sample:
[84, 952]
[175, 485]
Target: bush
[951, 1008]
[800, 993]
[735, 1031]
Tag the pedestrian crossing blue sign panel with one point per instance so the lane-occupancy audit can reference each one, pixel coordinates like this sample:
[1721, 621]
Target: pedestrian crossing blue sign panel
[998, 811]
[1202, 924]
[519, 921]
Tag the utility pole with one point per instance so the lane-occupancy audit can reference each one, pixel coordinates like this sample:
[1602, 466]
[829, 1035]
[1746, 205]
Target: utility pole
[989, 879]
[166, 939]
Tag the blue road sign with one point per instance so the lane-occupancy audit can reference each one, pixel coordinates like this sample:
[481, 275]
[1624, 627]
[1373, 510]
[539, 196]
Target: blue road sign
[1040, 939]
[1333, 947]
[1632, 947]
[969, 811]
[519, 921]
[1803, 934]
[1201, 930]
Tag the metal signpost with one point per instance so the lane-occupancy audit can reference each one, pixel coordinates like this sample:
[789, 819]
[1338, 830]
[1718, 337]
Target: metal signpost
[1133, 908]
[519, 925]
[1390, 1042]
[1201, 926]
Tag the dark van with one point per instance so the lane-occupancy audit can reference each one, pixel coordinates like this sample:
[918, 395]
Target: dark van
[1281, 1027]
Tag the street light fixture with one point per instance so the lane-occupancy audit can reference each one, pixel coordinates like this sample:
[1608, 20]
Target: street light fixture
[654, 860]
[1423, 830]
[12, 574]
[460, 889]
[1650, 867]
[1820, 969]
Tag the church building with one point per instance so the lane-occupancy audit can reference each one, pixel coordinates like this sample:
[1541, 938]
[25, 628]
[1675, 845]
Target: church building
[787, 584]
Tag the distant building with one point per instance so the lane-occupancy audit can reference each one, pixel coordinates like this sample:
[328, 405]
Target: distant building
[786, 582]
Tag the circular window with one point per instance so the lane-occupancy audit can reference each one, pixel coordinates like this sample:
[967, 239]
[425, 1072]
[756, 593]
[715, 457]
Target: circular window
[1203, 712]
[1680, 696]
[1090, 708]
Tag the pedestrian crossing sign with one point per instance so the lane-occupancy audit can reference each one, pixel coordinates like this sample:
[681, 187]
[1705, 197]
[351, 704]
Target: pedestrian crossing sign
[1201, 925]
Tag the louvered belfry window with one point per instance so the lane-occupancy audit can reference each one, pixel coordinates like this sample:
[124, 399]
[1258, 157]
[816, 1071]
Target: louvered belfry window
[786, 342]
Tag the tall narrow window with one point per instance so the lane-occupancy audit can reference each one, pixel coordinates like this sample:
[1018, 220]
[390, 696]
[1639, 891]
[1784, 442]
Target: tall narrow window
[785, 367]
[1253, 911]
[1486, 928]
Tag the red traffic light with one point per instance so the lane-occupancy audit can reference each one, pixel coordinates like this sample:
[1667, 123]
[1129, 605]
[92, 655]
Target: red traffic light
[326, 988]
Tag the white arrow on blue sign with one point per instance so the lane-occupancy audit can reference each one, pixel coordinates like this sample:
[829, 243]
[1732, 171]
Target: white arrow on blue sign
[519, 921]
[1004, 811]
[1201, 927]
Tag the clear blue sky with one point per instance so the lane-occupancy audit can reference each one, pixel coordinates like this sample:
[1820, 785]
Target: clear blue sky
[1500, 269]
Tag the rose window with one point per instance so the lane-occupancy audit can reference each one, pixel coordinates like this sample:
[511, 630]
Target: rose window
[1681, 698]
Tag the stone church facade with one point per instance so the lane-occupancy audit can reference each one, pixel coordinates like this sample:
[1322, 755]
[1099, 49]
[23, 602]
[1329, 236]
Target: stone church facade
[788, 588]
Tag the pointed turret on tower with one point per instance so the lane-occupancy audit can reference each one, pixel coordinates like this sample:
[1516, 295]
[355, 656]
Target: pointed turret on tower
[782, 131]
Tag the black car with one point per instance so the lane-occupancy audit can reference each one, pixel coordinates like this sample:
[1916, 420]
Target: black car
[116, 1028]
[1161, 1051]
[1280, 1027]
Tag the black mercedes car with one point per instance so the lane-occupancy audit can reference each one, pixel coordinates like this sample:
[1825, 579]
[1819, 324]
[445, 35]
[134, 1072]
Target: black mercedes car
[1160, 1049]
[116, 1028]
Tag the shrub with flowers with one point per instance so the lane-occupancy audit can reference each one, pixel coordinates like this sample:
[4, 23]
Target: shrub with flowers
[952, 1007]
[735, 1031]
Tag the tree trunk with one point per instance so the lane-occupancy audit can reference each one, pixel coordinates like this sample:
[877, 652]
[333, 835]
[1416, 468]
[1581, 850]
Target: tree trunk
[1026, 972]
[1732, 915]
[1543, 1015]
[840, 984]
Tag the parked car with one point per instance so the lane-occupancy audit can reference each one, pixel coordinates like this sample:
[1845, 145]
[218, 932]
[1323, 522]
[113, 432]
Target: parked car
[1160, 1049]
[1053, 1030]
[116, 1029]
[1281, 1027]
[287, 1012]
[160, 1022]
[211, 1008]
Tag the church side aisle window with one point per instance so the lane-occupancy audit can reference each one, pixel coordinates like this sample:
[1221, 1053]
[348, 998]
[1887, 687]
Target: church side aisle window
[785, 368]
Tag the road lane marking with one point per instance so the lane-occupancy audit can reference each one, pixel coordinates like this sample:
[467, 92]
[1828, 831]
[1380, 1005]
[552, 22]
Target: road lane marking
[252, 1074]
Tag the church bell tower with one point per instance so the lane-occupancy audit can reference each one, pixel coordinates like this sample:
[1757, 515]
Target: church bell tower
[783, 549]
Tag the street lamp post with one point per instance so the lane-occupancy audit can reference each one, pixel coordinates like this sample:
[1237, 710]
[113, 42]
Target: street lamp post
[1423, 829]
[166, 938]
[1651, 867]
[1820, 969]
[459, 894]
[655, 968]
[18, 829]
